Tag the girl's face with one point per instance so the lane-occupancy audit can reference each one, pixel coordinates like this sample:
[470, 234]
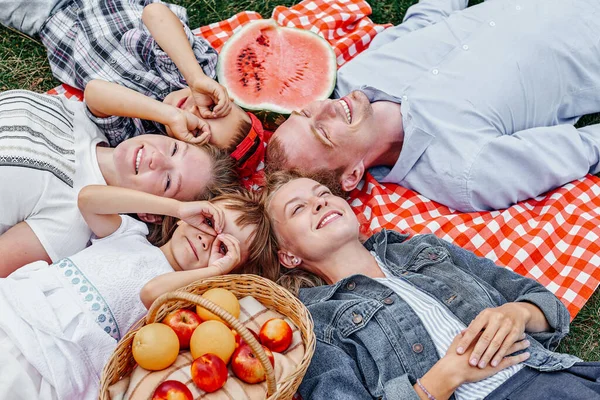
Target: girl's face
[309, 221]
[162, 166]
[223, 130]
[194, 249]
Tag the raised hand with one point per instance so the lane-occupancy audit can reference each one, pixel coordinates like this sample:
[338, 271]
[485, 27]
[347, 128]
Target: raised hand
[203, 215]
[493, 332]
[225, 254]
[208, 93]
[189, 128]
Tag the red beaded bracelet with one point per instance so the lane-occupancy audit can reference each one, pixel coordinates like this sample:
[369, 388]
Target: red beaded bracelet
[429, 395]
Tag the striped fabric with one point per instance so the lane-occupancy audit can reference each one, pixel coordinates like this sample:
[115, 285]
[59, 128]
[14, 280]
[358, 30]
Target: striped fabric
[443, 327]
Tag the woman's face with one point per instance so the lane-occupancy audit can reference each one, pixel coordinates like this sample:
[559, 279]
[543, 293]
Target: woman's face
[194, 249]
[309, 221]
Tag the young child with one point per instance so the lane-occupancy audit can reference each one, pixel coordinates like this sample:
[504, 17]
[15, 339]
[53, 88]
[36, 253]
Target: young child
[49, 150]
[147, 47]
[61, 322]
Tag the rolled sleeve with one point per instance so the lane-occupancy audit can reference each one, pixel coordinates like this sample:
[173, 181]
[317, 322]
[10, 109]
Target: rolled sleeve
[516, 288]
[400, 388]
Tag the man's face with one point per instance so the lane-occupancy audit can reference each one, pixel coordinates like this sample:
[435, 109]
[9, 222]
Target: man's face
[223, 130]
[162, 166]
[328, 134]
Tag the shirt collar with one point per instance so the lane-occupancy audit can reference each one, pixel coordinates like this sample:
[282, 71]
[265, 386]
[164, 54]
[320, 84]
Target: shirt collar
[377, 243]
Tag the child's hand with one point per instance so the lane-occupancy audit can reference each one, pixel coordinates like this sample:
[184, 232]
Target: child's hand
[225, 254]
[189, 128]
[202, 215]
[208, 93]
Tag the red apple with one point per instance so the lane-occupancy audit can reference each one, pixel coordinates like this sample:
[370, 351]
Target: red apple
[183, 322]
[209, 372]
[172, 390]
[239, 340]
[247, 366]
[276, 334]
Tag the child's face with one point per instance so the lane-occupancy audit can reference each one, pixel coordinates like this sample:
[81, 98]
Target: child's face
[223, 129]
[162, 166]
[194, 249]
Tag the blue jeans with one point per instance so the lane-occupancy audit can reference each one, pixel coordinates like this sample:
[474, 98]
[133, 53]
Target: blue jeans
[28, 16]
[581, 381]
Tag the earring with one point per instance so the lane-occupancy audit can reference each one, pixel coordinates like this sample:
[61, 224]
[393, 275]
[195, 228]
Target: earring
[296, 261]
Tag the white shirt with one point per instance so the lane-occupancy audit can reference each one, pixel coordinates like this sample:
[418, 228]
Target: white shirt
[47, 154]
[442, 327]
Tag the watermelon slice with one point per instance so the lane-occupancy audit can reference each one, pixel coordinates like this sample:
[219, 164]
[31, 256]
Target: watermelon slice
[273, 70]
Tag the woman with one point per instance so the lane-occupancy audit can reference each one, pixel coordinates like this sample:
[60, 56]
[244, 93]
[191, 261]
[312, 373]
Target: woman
[49, 150]
[417, 318]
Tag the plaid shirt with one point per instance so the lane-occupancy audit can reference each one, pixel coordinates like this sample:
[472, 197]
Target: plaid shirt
[106, 39]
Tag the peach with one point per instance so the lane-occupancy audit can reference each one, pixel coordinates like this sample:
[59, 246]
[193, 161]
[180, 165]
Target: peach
[209, 372]
[172, 390]
[276, 334]
[246, 366]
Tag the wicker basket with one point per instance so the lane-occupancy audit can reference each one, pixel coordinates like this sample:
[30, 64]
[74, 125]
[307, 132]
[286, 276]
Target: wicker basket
[271, 295]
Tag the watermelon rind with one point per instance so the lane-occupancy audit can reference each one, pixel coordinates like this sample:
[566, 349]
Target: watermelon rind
[271, 114]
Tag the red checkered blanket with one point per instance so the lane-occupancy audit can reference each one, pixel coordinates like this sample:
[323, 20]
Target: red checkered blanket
[553, 238]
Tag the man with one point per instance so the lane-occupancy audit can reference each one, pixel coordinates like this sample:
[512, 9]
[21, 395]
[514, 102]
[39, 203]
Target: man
[471, 107]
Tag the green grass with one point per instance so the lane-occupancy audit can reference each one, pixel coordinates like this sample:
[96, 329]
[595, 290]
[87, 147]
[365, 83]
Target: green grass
[23, 66]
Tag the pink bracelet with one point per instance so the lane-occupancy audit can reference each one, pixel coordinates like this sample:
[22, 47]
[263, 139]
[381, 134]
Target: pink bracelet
[429, 395]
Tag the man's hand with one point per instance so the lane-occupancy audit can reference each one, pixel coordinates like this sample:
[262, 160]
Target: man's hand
[189, 128]
[203, 215]
[225, 254]
[493, 332]
[208, 93]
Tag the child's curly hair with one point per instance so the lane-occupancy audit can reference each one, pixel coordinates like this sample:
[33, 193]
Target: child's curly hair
[262, 257]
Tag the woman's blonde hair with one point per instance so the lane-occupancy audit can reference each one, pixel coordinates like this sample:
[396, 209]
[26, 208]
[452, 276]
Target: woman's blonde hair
[295, 279]
[262, 257]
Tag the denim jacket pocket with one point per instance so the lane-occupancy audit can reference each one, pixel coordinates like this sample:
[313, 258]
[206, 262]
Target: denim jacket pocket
[426, 255]
[356, 316]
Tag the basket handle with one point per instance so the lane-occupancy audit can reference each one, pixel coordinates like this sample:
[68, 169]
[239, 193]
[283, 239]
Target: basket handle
[228, 318]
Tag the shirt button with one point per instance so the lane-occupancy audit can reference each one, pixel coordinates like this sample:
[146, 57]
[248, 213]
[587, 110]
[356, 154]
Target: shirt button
[465, 47]
[388, 301]
[404, 97]
[136, 78]
[351, 286]
[357, 319]
[417, 347]
[435, 72]
[112, 60]
[492, 23]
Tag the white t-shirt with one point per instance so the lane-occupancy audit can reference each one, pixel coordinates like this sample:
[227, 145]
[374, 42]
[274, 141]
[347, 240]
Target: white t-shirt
[47, 154]
[63, 320]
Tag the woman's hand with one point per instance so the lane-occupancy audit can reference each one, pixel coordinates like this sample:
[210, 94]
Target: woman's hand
[494, 331]
[203, 215]
[225, 254]
[469, 373]
[187, 127]
[207, 92]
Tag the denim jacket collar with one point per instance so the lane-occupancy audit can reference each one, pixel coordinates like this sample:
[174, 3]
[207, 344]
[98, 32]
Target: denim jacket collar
[377, 243]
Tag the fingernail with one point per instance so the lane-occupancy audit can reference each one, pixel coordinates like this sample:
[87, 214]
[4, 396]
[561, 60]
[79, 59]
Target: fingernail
[527, 343]
[473, 361]
[494, 363]
[482, 364]
[460, 350]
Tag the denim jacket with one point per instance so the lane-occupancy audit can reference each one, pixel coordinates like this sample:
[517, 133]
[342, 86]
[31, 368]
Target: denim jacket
[371, 344]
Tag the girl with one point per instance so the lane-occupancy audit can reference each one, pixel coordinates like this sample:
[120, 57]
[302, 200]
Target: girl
[61, 322]
[417, 318]
[49, 150]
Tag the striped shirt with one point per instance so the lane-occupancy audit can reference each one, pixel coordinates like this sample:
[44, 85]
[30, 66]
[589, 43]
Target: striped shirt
[443, 327]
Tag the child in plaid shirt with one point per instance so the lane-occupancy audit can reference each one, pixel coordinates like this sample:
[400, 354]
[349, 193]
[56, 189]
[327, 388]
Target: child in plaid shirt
[158, 75]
